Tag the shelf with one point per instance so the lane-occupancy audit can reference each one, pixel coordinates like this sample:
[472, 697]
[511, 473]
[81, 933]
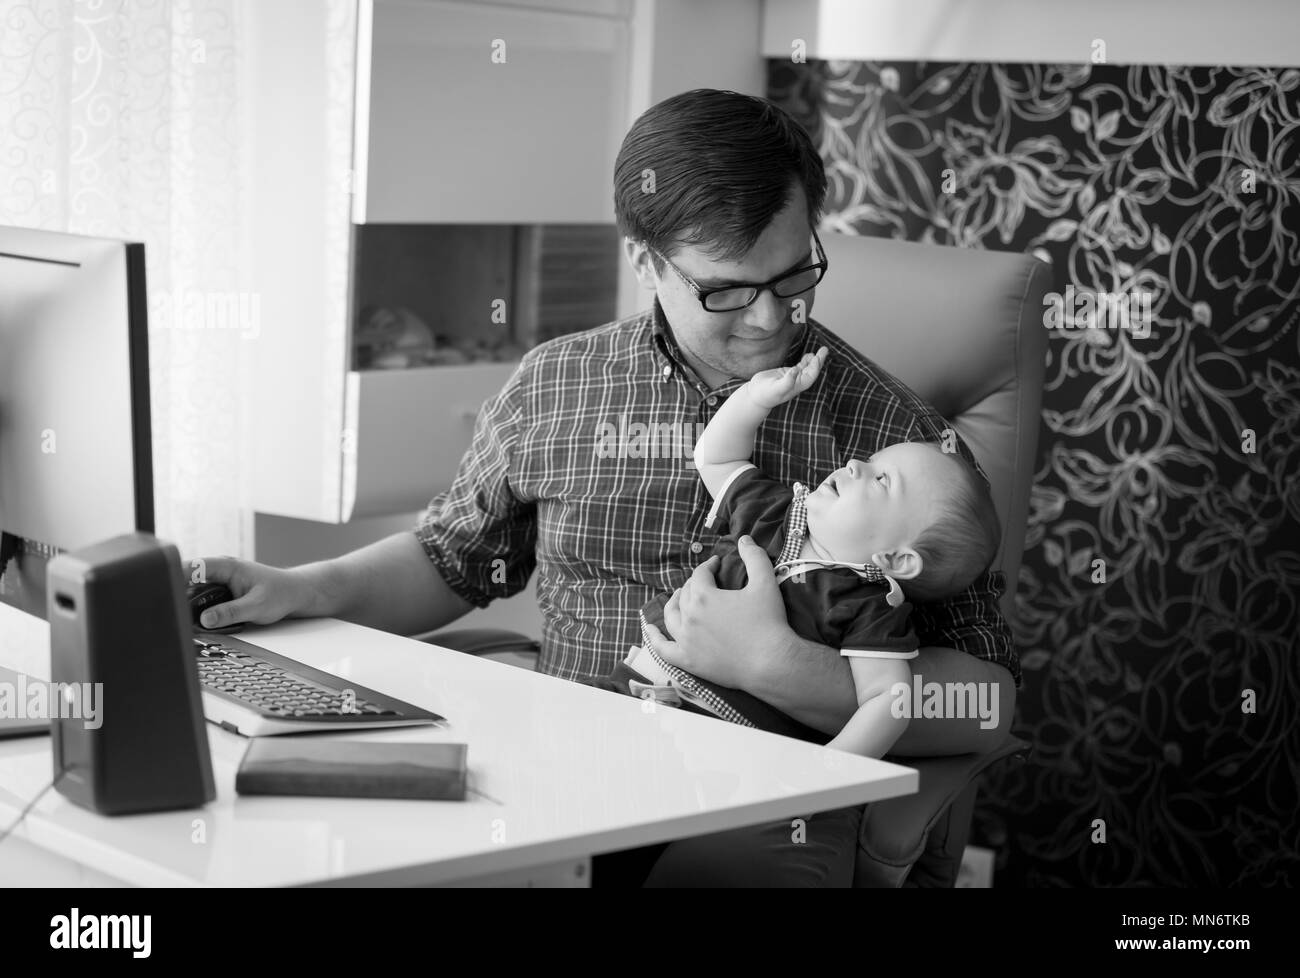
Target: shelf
[405, 432]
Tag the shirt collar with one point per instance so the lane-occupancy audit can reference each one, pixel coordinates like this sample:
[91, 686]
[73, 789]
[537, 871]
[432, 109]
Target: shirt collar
[790, 562]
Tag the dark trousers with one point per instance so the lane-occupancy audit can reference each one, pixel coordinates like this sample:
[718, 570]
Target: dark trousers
[817, 851]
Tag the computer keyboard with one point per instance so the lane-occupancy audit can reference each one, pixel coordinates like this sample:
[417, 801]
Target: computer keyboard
[252, 691]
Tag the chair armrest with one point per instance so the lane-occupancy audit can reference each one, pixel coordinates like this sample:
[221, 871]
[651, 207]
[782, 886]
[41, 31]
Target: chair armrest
[481, 641]
[895, 831]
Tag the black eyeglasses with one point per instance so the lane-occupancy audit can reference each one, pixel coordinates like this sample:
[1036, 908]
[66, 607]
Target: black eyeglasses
[735, 297]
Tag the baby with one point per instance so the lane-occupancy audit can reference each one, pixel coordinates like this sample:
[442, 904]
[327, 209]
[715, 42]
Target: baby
[909, 522]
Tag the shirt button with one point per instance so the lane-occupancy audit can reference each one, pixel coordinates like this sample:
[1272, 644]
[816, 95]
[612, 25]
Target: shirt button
[696, 547]
[712, 401]
[668, 370]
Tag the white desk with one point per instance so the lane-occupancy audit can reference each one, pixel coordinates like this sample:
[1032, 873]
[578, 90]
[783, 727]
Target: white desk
[558, 772]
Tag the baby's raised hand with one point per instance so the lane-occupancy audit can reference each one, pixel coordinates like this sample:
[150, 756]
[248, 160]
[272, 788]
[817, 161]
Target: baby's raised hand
[769, 388]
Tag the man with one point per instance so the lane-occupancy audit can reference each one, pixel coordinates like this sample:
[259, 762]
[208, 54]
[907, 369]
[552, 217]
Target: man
[717, 196]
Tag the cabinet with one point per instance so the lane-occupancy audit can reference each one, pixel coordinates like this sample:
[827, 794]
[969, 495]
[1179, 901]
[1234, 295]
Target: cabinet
[479, 113]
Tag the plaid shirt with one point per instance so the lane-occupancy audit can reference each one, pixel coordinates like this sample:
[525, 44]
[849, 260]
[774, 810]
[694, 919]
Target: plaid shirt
[581, 468]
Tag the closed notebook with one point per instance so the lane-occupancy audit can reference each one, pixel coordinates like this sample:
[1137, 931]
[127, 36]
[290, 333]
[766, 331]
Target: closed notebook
[352, 769]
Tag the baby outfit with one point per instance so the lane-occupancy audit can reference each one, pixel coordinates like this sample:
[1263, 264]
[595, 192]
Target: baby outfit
[856, 608]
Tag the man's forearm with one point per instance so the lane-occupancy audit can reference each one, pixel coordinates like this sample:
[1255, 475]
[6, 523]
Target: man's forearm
[390, 585]
[810, 682]
[934, 736]
[813, 684]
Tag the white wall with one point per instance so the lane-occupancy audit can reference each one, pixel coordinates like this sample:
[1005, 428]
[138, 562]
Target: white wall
[1182, 32]
[455, 136]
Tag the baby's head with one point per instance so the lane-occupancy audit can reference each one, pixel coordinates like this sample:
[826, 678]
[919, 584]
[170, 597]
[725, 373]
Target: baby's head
[923, 515]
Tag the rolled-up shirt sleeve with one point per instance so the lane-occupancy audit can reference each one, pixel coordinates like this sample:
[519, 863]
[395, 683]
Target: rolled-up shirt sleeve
[479, 535]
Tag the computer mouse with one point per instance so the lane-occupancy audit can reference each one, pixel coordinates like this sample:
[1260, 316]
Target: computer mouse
[201, 596]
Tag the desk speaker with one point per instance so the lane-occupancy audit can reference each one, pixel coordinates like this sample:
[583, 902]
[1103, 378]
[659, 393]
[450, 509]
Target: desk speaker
[128, 727]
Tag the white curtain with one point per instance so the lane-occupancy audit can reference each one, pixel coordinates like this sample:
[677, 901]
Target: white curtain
[127, 119]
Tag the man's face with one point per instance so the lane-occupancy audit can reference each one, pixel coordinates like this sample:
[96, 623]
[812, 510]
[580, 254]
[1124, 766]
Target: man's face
[721, 345]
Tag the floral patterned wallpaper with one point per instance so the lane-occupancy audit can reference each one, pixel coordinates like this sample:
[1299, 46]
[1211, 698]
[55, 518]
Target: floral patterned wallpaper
[1162, 699]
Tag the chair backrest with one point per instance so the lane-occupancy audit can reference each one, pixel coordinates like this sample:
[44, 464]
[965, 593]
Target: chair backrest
[964, 329]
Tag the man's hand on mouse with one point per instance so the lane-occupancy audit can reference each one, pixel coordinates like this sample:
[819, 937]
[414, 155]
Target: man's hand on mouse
[722, 636]
[262, 594]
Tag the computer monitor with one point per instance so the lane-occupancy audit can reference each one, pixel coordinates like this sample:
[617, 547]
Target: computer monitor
[75, 460]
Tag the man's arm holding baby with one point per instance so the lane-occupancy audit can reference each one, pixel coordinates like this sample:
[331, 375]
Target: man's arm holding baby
[818, 691]
[741, 639]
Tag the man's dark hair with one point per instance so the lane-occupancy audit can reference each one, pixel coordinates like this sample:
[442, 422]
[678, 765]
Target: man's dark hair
[961, 543]
[723, 166]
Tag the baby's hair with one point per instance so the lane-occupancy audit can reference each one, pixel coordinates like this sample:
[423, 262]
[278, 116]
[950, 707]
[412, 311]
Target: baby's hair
[958, 546]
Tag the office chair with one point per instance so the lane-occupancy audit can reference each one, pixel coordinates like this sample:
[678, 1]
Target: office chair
[964, 329]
